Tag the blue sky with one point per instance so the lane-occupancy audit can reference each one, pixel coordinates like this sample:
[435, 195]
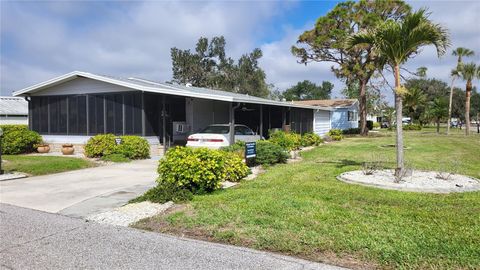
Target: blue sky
[41, 40]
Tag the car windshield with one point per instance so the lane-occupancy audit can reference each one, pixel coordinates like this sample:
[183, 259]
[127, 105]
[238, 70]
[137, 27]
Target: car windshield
[216, 129]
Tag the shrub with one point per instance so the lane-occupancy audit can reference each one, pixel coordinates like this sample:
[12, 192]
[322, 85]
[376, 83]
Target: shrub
[369, 124]
[133, 147]
[289, 141]
[115, 158]
[376, 125]
[235, 168]
[18, 139]
[335, 134]
[269, 153]
[351, 131]
[310, 138]
[100, 145]
[412, 127]
[163, 193]
[238, 148]
[196, 169]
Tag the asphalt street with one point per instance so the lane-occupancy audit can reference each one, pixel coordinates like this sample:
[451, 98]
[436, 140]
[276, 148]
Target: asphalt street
[32, 239]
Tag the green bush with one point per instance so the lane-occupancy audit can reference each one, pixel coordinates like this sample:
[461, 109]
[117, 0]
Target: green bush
[238, 148]
[289, 141]
[351, 131]
[18, 139]
[163, 193]
[133, 147]
[412, 127]
[269, 153]
[100, 145]
[196, 169]
[376, 125]
[235, 168]
[309, 139]
[369, 124]
[115, 158]
[335, 134]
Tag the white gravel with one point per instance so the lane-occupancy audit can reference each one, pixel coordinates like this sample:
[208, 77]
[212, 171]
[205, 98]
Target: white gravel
[419, 181]
[130, 213]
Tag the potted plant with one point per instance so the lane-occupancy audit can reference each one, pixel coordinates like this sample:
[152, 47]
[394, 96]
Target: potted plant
[67, 149]
[43, 148]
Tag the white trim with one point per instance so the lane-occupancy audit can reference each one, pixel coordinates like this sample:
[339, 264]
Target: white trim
[161, 89]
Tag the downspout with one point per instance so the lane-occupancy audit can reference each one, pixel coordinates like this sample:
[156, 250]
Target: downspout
[28, 98]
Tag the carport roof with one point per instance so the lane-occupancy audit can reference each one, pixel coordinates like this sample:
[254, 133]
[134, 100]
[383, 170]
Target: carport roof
[162, 88]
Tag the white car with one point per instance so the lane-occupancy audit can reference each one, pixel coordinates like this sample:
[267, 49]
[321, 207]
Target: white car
[216, 136]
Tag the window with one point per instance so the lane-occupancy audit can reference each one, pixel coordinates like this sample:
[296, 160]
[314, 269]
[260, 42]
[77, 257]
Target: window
[352, 116]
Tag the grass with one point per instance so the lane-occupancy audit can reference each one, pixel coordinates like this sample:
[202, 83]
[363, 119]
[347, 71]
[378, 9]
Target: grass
[41, 165]
[301, 209]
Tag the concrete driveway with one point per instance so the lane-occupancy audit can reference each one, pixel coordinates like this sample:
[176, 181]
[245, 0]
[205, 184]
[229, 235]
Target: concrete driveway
[82, 192]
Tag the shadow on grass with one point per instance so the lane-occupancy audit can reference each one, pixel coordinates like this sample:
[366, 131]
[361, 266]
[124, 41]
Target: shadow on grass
[342, 163]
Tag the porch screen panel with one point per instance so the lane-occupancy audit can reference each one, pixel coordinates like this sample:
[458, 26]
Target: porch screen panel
[99, 114]
[110, 113]
[62, 118]
[72, 115]
[34, 113]
[118, 114]
[128, 100]
[152, 114]
[137, 113]
[53, 115]
[82, 115]
[43, 115]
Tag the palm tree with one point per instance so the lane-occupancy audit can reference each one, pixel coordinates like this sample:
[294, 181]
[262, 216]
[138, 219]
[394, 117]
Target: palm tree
[459, 52]
[438, 110]
[413, 100]
[398, 41]
[468, 73]
[422, 72]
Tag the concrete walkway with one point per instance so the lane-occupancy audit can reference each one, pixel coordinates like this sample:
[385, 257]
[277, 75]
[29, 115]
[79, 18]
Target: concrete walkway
[37, 240]
[82, 192]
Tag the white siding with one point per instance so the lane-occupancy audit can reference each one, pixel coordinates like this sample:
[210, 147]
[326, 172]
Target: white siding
[13, 120]
[340, 118]
[321, 122]
[82, 86]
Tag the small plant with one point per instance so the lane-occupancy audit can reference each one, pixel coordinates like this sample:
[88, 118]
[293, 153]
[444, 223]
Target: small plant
[115, 158]
[289, 141]
[18, 139]
[412, 127]
[376, 125]
[238, 148]
[163, 193]
[335, 134]
[351, 131]
[269, 153]
[447, 169]
[310, 138]
[375, 163]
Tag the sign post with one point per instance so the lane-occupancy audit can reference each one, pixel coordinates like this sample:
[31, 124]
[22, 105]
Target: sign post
[118, 140]
[250, 151]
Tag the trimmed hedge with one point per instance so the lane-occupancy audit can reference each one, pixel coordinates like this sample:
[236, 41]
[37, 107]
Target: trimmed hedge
[351, 131]
[132, 147]
[269, 153]
[412, 127]
[18, 139]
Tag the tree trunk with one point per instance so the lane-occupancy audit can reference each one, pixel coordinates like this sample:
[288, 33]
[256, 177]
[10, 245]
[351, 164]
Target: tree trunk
[450, 101]
[363, 108]
[399, 129]
[438, 125]
[467, 107]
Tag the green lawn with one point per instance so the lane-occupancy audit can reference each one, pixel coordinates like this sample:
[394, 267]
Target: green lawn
[301, 209]
[40, 165]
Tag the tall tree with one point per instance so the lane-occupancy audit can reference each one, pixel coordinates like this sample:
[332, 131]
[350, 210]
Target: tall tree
[326, 43]
[399, 41]
[468, 73]
[209, 67]
[422, 72]
[438, 109]
[308, 90]
[459, 52]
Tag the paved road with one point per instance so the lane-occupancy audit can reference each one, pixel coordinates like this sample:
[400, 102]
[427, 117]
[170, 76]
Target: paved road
[82, 192]
[33, 239]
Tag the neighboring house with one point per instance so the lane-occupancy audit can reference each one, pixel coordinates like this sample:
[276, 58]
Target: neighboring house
[13, 111]
[77, 105]
[343, 113]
